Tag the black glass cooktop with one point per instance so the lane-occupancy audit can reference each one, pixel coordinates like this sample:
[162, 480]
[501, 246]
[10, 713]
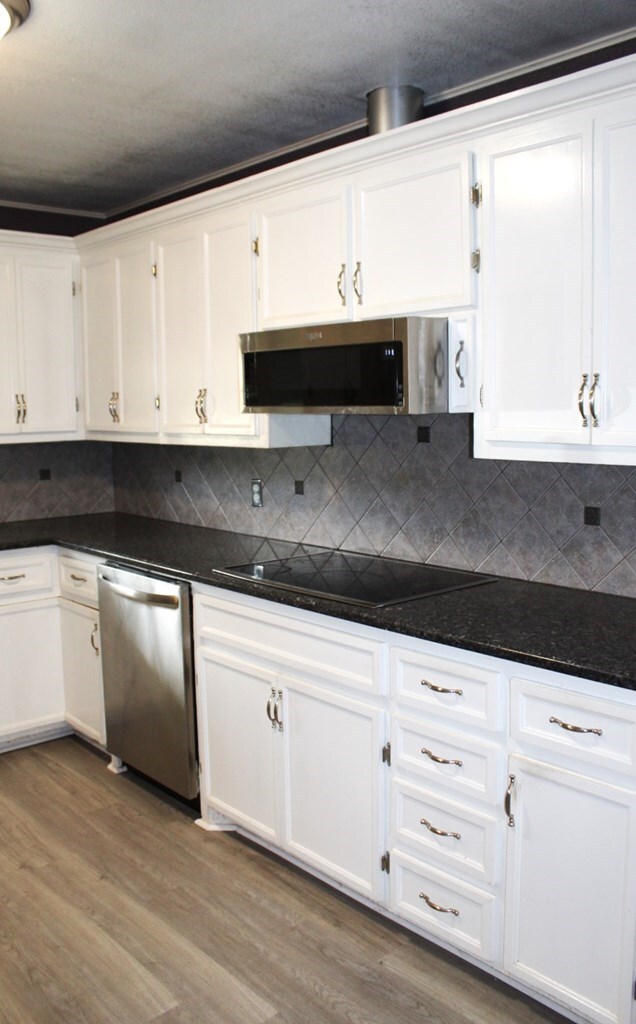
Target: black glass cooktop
[356, 579]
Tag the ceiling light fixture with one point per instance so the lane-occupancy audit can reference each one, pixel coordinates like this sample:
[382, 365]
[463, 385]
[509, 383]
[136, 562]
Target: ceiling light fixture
[12, 14]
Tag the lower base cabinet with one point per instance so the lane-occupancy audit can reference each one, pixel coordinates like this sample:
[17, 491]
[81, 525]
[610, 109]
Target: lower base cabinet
[31, 679]
[83, 690]
[571, 887]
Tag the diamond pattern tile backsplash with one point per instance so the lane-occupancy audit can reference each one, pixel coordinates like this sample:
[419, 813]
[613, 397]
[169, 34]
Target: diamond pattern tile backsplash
[378, 489]
[38, 481]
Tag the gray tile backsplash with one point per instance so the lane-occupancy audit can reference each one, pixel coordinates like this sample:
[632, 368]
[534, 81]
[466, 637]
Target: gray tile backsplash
[79, 479]
[376, 489]
[380, 490]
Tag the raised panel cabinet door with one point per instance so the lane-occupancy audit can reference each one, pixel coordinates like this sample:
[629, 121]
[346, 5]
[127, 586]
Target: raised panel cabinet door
[230, 291]
[305, 275]
[136, 329]
[334, 775]
[9, 387]
[182, 333]
[414, 235]
[31, 683]
[81, 656]
[536, 271]
[46, 338]
[570, 897]
[101, 364]
[238, 742]
[615, 272]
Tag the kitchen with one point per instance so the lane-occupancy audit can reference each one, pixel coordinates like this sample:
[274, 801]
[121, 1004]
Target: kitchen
[551, 520]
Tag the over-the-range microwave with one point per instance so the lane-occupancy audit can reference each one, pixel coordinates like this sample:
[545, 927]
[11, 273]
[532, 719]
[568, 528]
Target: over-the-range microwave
[393, 365]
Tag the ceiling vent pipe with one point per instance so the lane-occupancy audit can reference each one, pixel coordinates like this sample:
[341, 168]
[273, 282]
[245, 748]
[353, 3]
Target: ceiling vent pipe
[393, 105]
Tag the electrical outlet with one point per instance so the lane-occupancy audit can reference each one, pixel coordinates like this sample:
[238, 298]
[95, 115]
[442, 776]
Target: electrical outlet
[299, 486]
[45, 474]
[257, 493]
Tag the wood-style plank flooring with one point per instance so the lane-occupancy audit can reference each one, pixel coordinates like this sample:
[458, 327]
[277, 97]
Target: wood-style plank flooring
[116, 909]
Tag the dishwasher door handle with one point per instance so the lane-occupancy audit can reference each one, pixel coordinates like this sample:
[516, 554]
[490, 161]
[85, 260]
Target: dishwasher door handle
[141, 596]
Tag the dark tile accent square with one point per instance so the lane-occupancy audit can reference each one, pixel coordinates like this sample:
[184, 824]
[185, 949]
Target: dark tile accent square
[45, 474]
[592, 515]
[178, 477]
[424, 435]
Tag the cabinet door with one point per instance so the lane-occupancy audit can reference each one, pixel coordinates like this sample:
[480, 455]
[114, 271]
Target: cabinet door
[231, 298]
[83, 689]
[303, 264]
[46, 341]
[615, 272]
[8, 348]
[570, 890]
[101, 364]
[333, 781]
[237, 742]
[414, 235]
[182, 336]
[536, 271]
[31, 683]
[136, 330]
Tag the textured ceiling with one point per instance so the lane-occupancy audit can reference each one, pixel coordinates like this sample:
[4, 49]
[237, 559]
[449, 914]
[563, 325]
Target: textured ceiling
[105, 104]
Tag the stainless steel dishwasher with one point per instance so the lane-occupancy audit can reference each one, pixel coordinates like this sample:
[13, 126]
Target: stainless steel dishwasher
[148, 678]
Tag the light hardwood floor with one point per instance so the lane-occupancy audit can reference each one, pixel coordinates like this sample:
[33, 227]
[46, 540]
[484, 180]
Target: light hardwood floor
[116, 909]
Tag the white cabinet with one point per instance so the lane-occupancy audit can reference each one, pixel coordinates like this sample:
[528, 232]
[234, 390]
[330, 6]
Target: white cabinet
[37, 338]
[304, 262]
[81, 657]
[285, 755]
[571, 889]
[31, 682]
[414, 234]
[558, 377]
[119, 338]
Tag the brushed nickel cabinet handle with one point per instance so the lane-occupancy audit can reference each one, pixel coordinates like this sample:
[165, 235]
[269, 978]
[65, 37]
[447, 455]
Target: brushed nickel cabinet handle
[591, 400]
[24, 408]
[12, 579]
[439, 831]
[204, 395]
[436, 907]
[18, 412]
[440, 689]
[78, 579]
[340, 284]
[357, 283]
[574, 728]
[440, 760]
[462, 379]
[270, 707]
[93, 635]
[580, 398]
[508, 801]
[277, 708]
[115, 404]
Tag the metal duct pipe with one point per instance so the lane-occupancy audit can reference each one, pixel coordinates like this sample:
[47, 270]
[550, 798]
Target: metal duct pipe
[393, 105]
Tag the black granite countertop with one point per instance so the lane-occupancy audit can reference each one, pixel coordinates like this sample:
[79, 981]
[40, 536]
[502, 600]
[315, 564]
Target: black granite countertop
[580, 633]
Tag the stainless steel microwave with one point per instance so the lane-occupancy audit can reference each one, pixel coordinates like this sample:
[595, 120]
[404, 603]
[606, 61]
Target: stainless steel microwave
[397, 365]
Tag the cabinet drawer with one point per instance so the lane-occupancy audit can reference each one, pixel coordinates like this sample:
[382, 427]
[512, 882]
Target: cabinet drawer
[589, 729]
[26, 576]
[446, 758]
[339, 656]
[463, 693]
[441, 831]
[78, 580]
[460, 914]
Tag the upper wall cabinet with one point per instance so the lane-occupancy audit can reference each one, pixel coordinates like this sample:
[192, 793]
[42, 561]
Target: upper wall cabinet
[396, 238]
[38, 393]
[558, 374]
[119, 338]
[414, 235]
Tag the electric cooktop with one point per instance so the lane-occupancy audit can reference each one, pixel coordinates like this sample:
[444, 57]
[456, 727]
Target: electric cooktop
[357, 579]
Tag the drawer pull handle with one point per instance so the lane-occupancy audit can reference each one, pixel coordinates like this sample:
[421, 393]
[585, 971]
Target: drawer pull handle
[508, 801]
[440, 760]
[436, 907]
[440, 689]
[574, 728]
[439, 831]
[12, 579]
[78, 579]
